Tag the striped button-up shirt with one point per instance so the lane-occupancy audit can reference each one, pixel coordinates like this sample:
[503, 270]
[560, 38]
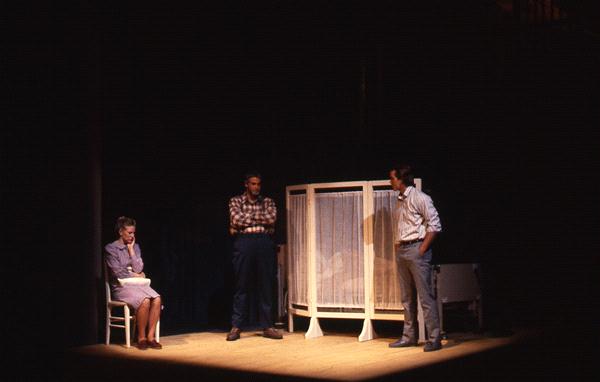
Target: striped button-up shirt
[258, 216]
[415, 215]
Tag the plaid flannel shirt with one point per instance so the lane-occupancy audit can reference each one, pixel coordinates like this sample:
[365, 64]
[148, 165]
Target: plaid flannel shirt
[252, 217]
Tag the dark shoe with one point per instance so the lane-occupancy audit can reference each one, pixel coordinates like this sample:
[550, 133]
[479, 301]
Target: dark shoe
[272, 333]
[401, 343]
[142, 345]
[432, 346]
[154, 345]
[234, 334]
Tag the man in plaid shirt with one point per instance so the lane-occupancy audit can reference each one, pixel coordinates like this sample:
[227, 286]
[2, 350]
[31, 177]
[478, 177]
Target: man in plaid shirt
[252, 221]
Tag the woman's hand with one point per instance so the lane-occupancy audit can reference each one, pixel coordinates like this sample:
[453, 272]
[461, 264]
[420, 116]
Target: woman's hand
[130, 247]
[141, 274]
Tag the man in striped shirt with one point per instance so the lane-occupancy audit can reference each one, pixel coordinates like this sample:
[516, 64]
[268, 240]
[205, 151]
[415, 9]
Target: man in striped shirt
[252, 221]
[418, 224]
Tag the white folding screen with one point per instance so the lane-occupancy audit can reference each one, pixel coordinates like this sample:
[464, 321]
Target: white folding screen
[341, 261]
[385, 267]
[297, 253]
[339, 249]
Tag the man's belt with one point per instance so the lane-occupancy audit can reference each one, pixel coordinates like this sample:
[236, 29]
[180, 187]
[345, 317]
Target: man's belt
[408, 242]
[255, 229]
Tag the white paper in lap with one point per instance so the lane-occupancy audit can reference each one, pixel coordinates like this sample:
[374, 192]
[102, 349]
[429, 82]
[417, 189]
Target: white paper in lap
[298, 288]
[134, 281]
[339, 249]
[385, 269]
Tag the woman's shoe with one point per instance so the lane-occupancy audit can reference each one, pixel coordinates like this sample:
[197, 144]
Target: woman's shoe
[154, 345]
[142, 345]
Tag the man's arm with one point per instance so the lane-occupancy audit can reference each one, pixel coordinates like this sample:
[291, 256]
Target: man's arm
[432, 223]
[268, 215]
[237, 218]
[427, 240]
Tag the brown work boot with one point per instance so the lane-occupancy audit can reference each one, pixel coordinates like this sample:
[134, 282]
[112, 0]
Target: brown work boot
[272, 333]
[234, 334]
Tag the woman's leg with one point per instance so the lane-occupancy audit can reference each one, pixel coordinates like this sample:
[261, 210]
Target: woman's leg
[142, 319]
[154, 317]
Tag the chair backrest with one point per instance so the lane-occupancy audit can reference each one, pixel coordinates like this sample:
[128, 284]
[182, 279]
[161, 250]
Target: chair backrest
[458, 282]
[106, 284]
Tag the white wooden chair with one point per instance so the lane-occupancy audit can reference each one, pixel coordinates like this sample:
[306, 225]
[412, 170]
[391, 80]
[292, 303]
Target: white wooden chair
[123, 322]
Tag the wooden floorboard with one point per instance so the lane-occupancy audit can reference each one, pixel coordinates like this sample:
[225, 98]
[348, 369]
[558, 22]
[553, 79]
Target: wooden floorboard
[335, 356]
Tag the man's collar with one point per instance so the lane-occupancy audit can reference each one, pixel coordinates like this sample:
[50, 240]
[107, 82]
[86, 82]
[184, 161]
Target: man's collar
[245, 199]
[404, 195]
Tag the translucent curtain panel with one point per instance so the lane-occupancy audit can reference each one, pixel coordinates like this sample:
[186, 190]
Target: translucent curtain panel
[339, 249]
[298, 251]
[385, 268]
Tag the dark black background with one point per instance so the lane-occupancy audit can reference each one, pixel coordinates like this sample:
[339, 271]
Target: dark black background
[168, 106]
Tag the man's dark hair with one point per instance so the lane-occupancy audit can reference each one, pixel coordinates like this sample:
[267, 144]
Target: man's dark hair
[122, 222]
[252, 174]
[405, 174]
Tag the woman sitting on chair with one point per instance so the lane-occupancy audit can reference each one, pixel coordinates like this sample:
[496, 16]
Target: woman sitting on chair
[124, 260]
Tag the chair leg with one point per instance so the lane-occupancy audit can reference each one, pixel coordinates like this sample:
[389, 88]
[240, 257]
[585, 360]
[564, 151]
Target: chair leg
[127, 327]
[157, 331]
[107, 331]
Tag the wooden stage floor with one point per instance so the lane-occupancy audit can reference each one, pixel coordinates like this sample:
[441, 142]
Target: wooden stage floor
[335, 357]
